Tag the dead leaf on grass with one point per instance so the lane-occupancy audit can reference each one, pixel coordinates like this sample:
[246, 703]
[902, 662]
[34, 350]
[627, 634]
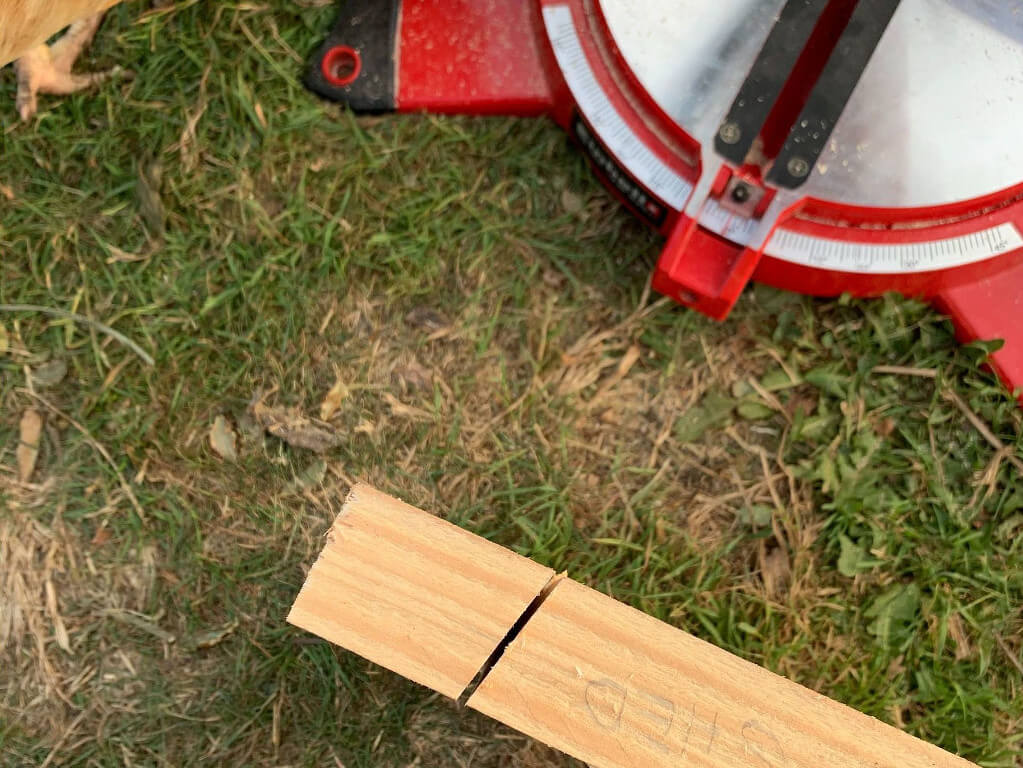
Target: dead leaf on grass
[249, 430]
[49, 374]
[885, 427]
[775, 571]
[140, 622]
[113, 373]
[632, 354]
[211, 637]
[59, 630]
[6, 191]
[403, 411]
[333, 400]
[258, 109]
[223, 439]
[413, 376]
[147, 193]
[365, 427]
[117, 256]
[295, 429]
[310, 477]
[5, 343]
[29, 432]
[570, 201]
[958, 632]
[427, 319]
[101, 537]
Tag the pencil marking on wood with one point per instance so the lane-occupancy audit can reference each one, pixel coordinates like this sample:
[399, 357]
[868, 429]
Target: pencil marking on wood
[758, 741]
[647, 715]
[713, 734]
[712, 730]
[605, 699]
[689, 731]
[660, 712]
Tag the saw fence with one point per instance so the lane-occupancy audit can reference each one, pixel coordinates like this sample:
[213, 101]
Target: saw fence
[564, 663]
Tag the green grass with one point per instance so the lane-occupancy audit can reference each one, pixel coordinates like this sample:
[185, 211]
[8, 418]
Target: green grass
[310, 245]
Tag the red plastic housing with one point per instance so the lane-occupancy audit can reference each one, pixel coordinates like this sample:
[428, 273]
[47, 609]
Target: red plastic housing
[473, 56]
[493, 57]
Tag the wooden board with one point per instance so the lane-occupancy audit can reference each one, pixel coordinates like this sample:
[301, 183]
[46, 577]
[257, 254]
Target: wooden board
[618, 689]
[414, 593]
[582, 672]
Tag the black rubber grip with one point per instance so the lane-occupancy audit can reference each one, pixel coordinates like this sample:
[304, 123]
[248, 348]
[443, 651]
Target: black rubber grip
[832, 91]
[355, 65]
[766, 77]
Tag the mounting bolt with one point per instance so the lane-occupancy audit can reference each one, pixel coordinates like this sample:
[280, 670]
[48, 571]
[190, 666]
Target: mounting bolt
[741, 192]
[798, 167]
[730, 133]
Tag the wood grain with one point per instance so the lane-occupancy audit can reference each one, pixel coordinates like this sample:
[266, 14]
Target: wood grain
[414, 593]
[620, 689]
[584, 673]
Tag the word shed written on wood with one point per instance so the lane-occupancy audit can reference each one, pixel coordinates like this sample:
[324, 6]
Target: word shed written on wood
[566, 664]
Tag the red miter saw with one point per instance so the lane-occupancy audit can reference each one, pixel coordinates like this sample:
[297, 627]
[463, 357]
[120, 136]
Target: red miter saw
[823, 146]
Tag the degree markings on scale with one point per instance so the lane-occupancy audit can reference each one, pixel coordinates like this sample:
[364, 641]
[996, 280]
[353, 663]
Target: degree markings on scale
[718, 219]
[878, 258]
[658, 177]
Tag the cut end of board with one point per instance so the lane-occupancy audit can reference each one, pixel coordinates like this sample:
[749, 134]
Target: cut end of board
[294, 613]
[414, 593]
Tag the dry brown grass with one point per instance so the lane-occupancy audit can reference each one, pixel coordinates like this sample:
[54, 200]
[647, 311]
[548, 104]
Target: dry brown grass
[38, 566]
[480, 300]
[55, 588]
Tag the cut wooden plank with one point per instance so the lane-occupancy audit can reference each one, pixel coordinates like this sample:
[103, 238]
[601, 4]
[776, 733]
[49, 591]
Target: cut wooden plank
[565, 664]
[414, 593]
[618, 689]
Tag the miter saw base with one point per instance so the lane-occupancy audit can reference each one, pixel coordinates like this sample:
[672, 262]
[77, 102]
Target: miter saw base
[755, 169]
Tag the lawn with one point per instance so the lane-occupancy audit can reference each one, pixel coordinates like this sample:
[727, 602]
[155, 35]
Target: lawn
[478, 305]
